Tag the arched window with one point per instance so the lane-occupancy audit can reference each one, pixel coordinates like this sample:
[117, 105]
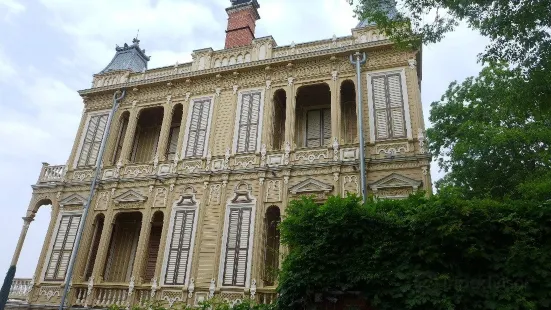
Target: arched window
[96, 237]
[271, 248]
[280, 109]
[349, 128]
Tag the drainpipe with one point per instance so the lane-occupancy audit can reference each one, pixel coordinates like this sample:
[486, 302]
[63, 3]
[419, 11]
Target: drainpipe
[360, 59]
[69, 275]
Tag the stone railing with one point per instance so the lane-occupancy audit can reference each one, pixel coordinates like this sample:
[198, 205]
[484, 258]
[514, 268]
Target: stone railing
[160, 72]
[20, 289]
[51, 173]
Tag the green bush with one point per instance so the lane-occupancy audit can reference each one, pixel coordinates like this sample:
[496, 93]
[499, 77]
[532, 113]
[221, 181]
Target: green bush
[441, 252]
[210, 304]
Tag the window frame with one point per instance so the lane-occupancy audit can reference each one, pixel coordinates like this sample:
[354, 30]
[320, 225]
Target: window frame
[238, 117]
[406, 109]
[88, 116]
[221, 268]
[168, 241]
[51, 245]
[188, 125]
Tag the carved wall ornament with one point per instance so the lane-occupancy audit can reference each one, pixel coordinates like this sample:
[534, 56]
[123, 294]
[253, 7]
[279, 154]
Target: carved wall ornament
[394, 186]
[412, 63]
[335, 149]
[268, 84]
[138, 171]
[421, 138]
[172, 297]
[263, 155]
[349, 154]
[215, 194]
[273, 192]
[244, 162]
[80, 176]
[235, 89]
[275, 160]
[425, 170]
[290, 81]
[130, 196]
[392, 148]
[103, 201]
[242, 193]
[253, 289]
[153, 288]
[335, 74]
[160, 199]
[49, 292]
[212, 287]
[350, 185]
[192, 166]
[191, 288]
[227, 158]
[217, 91]
[311, 156]
[209, 159]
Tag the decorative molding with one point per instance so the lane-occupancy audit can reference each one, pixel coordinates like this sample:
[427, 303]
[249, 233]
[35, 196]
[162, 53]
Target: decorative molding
[311, 156]
[245, 162]
[394, 186]
[215, 194]
[103, 201]
[273, 191]
[129, 197]
[160, 199]
[392, 148]
[73, 200]
[310, 186]
[350, 185]
[242, 193]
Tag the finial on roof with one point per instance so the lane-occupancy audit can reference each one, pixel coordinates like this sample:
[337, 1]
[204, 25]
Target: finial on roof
[135, 40]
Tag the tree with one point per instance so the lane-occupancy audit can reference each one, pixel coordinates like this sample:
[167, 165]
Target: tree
[441, 252]
[492, 134]
[519, 31]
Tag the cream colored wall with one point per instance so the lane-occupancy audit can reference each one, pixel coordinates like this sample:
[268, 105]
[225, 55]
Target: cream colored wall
[213, 189]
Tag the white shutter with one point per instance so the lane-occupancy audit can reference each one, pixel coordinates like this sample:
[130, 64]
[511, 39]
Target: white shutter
[180, 247]
[380, 106]
[198, 125]
[237, 247]
[92, 140]
[248, 126]
[62, 248]
[326, 126]
[313, 128]
[396, 104]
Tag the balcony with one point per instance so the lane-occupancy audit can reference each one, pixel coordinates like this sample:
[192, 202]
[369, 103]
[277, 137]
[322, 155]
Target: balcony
[20, 289]
[51, 174]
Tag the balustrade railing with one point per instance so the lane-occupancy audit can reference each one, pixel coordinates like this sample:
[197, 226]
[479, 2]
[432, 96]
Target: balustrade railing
[20, 289]
[51, 173]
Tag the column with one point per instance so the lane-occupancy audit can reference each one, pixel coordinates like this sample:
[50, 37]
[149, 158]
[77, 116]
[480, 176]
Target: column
[109, 155]
[103, 247]
[26, 222]
[165, 130]
[180, 149]
[335, 109]
[258, 246]
[268, 119]
[290, 114]
[129, 136]
[143, 241]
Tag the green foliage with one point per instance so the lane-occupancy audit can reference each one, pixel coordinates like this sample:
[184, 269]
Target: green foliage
[210, 304]
[492, 134]
[442, 252]
[518, 30]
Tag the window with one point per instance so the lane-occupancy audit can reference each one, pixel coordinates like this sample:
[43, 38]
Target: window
[237, 246]
[121, 135]
[92, 140]
[180, 247]
[388, 106]
[197, 136]
[248, 127]
[62, 248]
[173, 142]
[318, 127]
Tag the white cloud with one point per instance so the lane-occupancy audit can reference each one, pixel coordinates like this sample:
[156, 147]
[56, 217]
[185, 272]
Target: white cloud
[9, 8]
[6, 68]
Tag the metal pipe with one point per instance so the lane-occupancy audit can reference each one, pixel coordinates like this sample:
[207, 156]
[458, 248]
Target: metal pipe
[69, 275]
[360, 59]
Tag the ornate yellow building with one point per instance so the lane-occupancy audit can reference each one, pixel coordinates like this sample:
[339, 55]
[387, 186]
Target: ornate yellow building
[203, 158]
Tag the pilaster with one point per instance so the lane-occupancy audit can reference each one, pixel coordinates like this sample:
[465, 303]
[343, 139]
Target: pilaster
[165, 129]
[130, 132]
[103, 248]
[335, 108]
[143, 241]
[290, 114]
[258, 246]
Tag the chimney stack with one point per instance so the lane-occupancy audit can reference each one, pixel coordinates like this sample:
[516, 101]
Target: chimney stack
[242, 17]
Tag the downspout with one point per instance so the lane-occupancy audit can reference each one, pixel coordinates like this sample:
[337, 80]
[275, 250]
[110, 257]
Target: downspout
[360, 59]
[69, 275]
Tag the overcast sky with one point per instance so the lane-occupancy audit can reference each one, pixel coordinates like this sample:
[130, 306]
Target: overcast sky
[49, 49]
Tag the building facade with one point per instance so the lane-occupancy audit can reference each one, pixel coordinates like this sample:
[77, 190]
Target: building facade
[203, 158]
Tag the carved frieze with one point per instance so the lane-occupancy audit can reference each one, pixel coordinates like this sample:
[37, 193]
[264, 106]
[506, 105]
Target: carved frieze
[102, 202]
[273, 191]
[192, 166]
[138, 171]
[350, 185]
[244, 162]
[311, 156]
[161, 196]
[391, 148]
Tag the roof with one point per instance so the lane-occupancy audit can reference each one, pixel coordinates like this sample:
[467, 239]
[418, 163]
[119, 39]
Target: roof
[128, 57]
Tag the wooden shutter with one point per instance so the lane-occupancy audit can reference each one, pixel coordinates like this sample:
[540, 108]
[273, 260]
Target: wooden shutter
[153, 251]
[237, 247]
[62, 248]
[313, 128]
[326, 126]
[318, 127]
[92, 140]
[247, 133]
[173, 142]
[396, 105]
[380, 107]
[180, 247]
[198, 125]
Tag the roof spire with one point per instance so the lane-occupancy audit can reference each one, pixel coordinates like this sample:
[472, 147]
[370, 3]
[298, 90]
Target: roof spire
[136, 41]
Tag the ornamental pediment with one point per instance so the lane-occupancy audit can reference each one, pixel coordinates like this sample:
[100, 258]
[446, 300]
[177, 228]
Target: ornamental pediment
[310, 186]
[129, 197]
[73, 200]
[395, 181]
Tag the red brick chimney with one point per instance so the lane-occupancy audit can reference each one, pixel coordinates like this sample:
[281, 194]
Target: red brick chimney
[242, 17]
